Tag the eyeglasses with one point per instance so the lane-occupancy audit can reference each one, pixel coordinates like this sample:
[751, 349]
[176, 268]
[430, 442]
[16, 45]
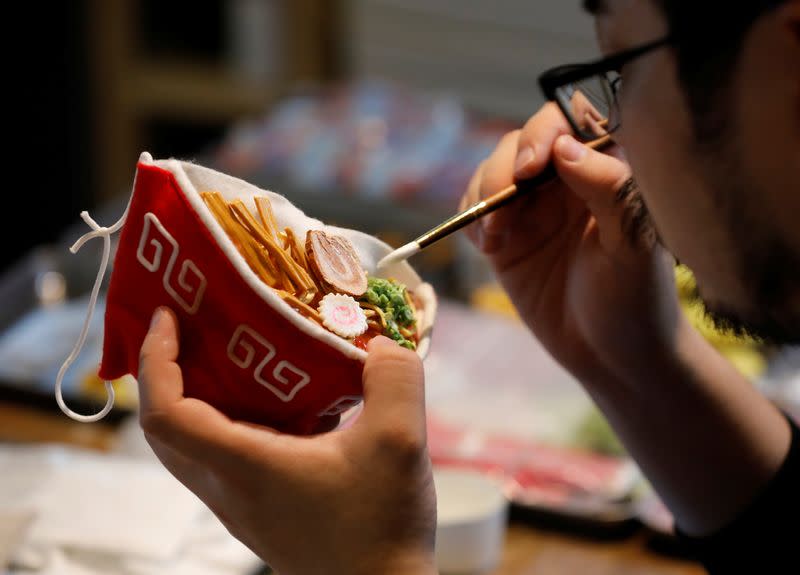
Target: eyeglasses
[588, 94]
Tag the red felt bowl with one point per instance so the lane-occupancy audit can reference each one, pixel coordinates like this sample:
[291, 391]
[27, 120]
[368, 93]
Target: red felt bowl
[243, 349]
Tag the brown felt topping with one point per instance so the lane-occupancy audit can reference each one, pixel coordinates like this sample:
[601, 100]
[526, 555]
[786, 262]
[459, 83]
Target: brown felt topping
[335, 263]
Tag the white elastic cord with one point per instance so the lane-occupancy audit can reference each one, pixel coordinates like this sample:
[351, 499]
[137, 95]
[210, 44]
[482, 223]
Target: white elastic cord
[97, 232]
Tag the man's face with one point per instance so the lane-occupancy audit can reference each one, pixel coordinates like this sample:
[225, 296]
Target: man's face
[724, 204]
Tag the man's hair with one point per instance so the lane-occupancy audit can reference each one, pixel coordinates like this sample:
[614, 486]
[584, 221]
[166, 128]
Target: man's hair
[708, 38]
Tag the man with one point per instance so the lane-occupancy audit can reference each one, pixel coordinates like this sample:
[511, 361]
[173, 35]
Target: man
[708, 119]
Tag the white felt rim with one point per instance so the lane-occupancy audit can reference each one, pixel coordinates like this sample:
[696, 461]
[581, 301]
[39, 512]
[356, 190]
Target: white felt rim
[424, 291]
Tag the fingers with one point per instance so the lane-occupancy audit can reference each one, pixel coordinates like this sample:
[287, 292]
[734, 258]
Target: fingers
[520, 154]
[596, 178]
[196, 477]
[160, 379]
[189, 426]
[394, 396]
[471, 196]
[497, 174]
[536, 140]
[184, 469]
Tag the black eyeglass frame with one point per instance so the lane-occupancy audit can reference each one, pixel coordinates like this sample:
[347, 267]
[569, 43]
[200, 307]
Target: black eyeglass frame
[551, 80]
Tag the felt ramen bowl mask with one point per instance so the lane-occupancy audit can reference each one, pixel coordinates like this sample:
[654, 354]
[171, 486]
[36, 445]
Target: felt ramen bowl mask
[275, 308]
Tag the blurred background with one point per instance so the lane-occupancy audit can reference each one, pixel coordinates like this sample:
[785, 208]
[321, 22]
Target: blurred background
[369, 114]
[430, 84]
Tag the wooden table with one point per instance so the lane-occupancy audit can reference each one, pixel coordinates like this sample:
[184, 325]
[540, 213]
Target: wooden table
[22, 424]
[532, 551]
[528, 550]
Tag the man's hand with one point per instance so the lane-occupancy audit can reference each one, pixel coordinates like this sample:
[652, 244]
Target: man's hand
[602, 299]
[359, 500]
[565, 254]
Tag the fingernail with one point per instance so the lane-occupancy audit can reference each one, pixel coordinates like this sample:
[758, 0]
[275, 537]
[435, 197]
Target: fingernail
[158, 316]
[569, 148]
[379, 341]
[524, 160]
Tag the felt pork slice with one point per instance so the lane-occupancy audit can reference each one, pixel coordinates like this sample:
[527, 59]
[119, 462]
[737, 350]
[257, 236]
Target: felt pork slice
[254, 342]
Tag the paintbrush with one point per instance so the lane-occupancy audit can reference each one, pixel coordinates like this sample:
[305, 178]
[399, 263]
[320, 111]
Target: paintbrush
[480, 209]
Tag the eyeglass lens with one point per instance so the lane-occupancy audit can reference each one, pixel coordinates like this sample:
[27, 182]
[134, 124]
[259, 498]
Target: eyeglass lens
[591, 103]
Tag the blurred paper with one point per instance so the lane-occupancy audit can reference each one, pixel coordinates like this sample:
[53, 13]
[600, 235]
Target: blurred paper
[12, 528]
[105, 514]
[100, 503]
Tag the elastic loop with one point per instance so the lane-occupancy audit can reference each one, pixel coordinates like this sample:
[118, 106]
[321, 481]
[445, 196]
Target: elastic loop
[97, 232]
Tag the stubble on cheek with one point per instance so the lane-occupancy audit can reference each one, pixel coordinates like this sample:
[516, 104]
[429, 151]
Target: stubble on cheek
[637, 224]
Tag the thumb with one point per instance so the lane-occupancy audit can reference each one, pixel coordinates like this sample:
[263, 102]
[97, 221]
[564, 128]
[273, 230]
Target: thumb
[394, 393]
[597, 179]
[160, 380]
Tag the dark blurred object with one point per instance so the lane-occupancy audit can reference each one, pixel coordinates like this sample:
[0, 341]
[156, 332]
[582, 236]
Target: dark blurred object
[262, 570]
[46, 123]
[167, 137]
[170, 76]
[615, 524]
[178, 29]
[93, 83]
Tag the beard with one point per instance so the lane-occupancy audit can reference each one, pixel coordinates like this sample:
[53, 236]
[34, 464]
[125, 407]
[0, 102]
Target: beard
[637, 224]
[766, 266]
[770, 272]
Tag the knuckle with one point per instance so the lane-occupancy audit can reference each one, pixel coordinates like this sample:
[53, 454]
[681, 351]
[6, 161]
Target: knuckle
[155, 345]
[401, 443]
[496, 177]
[551, 109]
[148, 352]
[528, 136]
[498, 167]
[508, 138]
[155, 424]
[404, 361]
[549, 115]
[149, 343]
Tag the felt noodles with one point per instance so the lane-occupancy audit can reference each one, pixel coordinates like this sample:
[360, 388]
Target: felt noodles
[319, 278]
[274, 307]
